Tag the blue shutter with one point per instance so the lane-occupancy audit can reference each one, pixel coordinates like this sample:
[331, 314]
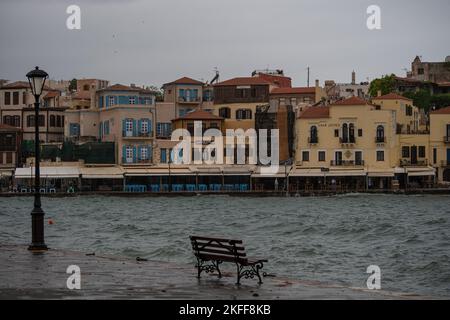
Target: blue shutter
[134, 154]
[100, 102]
[163, 156]
[115, 100]
[139, 157]
[124, 127]
[107, 101]
[100, 130]
[150, 127]
[150, 153]
[124, 153]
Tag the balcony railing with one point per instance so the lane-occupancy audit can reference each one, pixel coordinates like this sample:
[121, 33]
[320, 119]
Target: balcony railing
[313, 140]
[347, 140]
[446, 139]
[136, 161]
[380, 139]
[188, 99]
[128, 134]
[349, 163]
[418, 163]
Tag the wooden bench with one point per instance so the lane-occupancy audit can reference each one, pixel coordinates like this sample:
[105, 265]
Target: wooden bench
[211, 252]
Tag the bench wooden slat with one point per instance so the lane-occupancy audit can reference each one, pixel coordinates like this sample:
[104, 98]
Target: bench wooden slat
[222, 252]
[216, 239]
[216, 245]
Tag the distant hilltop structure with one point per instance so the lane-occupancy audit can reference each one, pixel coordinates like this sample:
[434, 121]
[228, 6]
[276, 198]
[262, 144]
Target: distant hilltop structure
[437, 72]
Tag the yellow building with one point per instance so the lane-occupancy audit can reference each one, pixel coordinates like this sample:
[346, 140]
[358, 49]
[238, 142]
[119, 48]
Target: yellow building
[440, 142]
[357, 145]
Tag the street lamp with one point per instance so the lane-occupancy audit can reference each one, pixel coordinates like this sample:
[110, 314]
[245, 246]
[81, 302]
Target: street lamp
[37, 78]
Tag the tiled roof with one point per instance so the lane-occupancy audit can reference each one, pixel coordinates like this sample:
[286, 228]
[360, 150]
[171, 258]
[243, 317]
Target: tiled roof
[17, 85]
[121, 87]
[185, 80]
[199, 115]
[352, 101]
[445, 110]
[243, 81]
[315, 112]
[295, 90]
[391, 96]
[51, 94]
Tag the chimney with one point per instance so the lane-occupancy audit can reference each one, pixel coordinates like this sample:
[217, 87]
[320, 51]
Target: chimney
[317, 83]
[353, 77]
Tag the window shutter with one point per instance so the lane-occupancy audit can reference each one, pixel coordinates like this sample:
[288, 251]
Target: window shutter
[139, 128]
[149, 124]
[124, 127]
[139, 153]
[134, 153]
[107, 101]
[115, 100]
[124, 153]
[150, 153]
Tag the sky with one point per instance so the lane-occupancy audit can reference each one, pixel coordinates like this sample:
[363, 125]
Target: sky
[151, 42]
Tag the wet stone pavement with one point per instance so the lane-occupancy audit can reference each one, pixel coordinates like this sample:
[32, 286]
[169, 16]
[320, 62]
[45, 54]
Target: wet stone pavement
[24, 275]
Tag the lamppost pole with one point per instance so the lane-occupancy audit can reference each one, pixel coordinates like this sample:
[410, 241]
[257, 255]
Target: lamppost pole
[37, 79]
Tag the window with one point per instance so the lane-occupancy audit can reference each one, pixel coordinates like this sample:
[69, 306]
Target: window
[148, 101]
[313, 134]
[380, 155]
[128, 154]
[190, 128]
[344, 133]
[214, 125]
[321, 155]
[16, 121]
[144, 153]
[243, 114]
[405, 152]
[305, 155]
[132, 100]
[7, 120]
[163, 155]
[52, 120]
[360, 132]
[74, 129]
[59, 123]
[111, 100]
[359, 158]
[106, 127]
[41, 121]
[380, 133]
[225, 112]
[144, 126]
[421, 151]
[24, 97]
[351, 132]
[15, 98]
[30, 121]
[86, 87]
[409, 110]
[336, 133]
[434, 155]
[420, 71]
[163, 129]
[7, 98]
[129, 127]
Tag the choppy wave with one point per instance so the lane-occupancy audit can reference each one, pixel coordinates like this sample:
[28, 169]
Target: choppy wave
[331, 239]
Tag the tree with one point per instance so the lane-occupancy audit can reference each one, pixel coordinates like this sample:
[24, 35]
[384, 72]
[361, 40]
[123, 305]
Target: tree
[386, 85]
[73, 85]
[158, 92]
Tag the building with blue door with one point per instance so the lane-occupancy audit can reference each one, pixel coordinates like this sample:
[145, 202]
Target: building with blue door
[185, 93]
[440, 142]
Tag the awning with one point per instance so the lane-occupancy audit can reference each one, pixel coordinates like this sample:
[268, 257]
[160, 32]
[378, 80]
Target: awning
[420, 171]
[101, 172]
[305, 172]
[238, 170]
[345, 173]
[207, 171]
[281, 173]
[158, 171]
[381, 173]
[49, 172]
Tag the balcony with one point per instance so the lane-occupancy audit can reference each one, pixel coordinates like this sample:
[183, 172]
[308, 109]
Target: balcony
[446, 139]
[313, 140]
[417, 163]
[188, 100]
[128, 161]
[348, 140]
[139, 135]
[346, 163]
[380, 139]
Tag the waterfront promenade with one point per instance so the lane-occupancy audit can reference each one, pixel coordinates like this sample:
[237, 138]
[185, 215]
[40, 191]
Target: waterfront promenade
[24, 275]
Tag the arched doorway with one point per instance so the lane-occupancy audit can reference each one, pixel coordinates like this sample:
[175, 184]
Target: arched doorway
[446, 175]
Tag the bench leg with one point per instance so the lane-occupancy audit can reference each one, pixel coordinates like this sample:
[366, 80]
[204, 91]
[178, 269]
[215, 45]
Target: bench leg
[214, 266]
[249, 273]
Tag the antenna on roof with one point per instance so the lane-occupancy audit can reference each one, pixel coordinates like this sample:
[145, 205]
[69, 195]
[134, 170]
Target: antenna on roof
[216, 76]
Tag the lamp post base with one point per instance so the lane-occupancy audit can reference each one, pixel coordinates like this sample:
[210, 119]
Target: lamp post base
[37, 230]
